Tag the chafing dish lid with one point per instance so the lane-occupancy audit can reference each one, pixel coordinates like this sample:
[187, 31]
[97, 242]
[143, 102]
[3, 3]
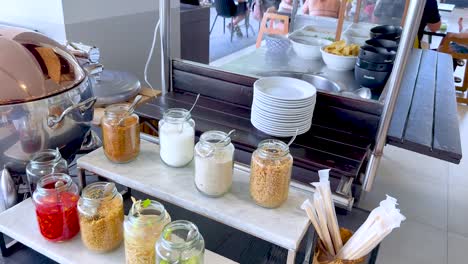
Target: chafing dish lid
[33, 66]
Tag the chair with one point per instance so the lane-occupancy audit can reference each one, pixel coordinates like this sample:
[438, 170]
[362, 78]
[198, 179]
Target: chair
[445, 48]
[228, 9]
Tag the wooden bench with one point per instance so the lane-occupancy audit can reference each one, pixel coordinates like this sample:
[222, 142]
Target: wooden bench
[425, 117]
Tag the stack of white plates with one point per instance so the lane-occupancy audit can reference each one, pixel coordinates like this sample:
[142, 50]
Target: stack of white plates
[282, 105]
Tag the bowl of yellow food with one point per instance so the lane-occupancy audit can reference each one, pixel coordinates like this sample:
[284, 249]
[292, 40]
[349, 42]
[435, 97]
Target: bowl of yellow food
[340, 56]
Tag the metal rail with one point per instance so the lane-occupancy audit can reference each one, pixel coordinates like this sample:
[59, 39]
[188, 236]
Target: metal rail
[165, 29]
[413, 18]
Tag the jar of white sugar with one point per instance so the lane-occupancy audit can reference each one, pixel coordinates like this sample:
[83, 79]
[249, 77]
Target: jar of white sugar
[214, 163]
[176, 137]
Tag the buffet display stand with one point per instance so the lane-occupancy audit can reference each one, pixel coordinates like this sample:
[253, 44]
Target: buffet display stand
[19, 223]
[284, 226]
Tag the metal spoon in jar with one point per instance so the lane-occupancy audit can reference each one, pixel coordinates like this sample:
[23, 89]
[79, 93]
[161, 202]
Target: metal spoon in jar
[188, 113]
[293, 138]
[130, 109]
[220, 141]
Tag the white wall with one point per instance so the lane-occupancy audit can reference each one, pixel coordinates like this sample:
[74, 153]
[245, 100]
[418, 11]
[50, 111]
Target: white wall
[46, 16]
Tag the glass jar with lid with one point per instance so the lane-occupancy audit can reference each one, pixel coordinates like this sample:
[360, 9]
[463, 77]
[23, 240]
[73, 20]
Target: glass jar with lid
[176, 137]
[121, 133]
[214, 163]
[43, 163]
[270, 173]
[180, 243]
[55, 199]
[142, 229]
[101, 215]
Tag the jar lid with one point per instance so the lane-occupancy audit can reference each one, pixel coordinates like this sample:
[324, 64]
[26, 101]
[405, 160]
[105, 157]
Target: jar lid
[33, 66]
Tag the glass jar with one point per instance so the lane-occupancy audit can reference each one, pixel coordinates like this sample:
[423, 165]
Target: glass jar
[101, 216]
[270, 173]
[121, 134]
[176, 137]
[180, 243]
[43, 163]
[214, 163]
[55, 199]
[142, 228]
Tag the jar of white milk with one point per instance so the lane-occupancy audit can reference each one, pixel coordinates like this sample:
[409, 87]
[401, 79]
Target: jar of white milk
[214, 163]
[176, 137]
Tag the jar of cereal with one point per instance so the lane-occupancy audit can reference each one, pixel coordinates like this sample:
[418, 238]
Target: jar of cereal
[101, 216]
[270, 173]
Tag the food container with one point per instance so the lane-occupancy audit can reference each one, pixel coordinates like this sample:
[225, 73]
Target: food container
[55, 198]
[376, 54]
[374, 80]
[367, 65]
[43, 163]
[276, 43]
[270, 173]
[101, 216]
[386, 32]
[338, 62]
[390, 45]
[180, 243]
[214, 163]
[176, 137]
[121, 134]
[307, 47]
[321, 256]
[142, 228]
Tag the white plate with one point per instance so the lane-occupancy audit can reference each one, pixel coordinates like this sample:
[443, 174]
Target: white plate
[279, 133]
[259, 106]
[282, 125]
[282, 104]
[285, 88]
[282, 128]
[261, 96]
[275, 119]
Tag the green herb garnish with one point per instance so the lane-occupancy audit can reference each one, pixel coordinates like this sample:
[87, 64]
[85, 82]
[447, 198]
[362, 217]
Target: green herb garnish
[146, 203]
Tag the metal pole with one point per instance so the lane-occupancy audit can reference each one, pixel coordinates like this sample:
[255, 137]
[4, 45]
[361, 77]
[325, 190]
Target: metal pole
[165, 27]
[413, 17]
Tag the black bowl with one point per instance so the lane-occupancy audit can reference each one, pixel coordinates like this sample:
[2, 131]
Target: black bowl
[373, 80]
[390, 32]
[367, 65]
[376, 54]
[383, 43]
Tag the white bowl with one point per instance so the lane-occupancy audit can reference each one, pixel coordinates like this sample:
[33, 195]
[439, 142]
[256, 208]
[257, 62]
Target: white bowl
[308, 48]
[337, 62]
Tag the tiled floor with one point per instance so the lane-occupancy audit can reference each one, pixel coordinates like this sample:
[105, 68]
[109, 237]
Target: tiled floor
[434, 196]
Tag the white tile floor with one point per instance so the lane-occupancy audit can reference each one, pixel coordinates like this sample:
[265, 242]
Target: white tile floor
[434, 196]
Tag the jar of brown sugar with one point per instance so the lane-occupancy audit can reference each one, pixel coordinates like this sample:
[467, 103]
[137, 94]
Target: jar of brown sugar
[121, 134]
[270, 173]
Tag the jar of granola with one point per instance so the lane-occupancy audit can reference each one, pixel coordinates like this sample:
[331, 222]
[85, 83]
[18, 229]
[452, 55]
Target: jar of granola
[101, 216]
[270, 173]
[121, 134]
[142, 228]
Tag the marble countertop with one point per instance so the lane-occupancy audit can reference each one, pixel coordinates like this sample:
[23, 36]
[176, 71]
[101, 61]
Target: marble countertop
[284, 226]
[19, 222]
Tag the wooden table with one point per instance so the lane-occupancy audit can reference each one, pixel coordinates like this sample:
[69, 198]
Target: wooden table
[284, 226]
[19, 222]
[425, 118]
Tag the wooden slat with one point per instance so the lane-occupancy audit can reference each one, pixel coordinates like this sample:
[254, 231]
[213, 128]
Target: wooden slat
[405, 97]
[446, 130]
[419, 128]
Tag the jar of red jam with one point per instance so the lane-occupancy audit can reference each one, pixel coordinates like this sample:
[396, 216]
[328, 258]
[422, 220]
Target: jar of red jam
[56, 197]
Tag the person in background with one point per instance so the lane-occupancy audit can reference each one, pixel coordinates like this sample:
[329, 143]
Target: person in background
[456, 47]
[242, 10]
[430, 19]
[327, 8]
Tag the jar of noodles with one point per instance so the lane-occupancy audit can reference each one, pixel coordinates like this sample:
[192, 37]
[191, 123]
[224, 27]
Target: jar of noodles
[180, 243]
[270, 173]
[142, 228]
[101, 216]
[176, 137]
[55, 198]
[121, 133]
[214, 163]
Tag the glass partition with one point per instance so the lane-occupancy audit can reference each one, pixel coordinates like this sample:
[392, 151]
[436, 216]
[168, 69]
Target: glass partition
[235, 27]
